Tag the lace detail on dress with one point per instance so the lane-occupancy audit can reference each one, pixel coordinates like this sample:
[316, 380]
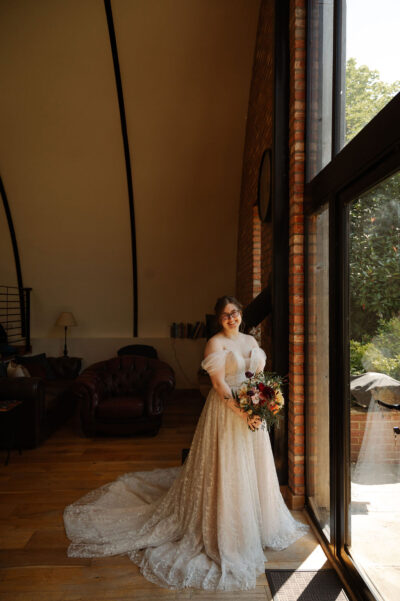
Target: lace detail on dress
[203, 524]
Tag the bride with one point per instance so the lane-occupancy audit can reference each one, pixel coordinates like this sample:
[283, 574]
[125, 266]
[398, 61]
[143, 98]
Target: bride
[204, 524]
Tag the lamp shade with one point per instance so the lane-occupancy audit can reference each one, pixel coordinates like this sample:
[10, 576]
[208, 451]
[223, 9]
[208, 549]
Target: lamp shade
[66, 319]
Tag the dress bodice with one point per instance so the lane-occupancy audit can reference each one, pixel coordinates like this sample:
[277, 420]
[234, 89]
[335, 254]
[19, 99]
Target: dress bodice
[235, 363]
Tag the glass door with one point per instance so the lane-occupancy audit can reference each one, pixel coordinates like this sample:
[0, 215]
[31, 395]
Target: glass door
[352, 317]
[373, 493]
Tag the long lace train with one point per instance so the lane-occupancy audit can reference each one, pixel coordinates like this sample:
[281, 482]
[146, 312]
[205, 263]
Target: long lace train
[203, 524]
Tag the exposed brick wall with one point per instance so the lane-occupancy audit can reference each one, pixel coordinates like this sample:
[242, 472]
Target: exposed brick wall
[297, 32]
[259, 136]
[257, 263]
[256, 237]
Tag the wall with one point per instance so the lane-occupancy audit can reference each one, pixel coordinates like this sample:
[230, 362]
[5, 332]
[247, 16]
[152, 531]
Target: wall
[186, 69]
[297, 105]
[259, 135]
[255, 238]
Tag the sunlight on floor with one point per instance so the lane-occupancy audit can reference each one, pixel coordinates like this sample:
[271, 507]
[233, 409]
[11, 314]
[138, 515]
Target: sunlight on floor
[375, 518]
[315, 561]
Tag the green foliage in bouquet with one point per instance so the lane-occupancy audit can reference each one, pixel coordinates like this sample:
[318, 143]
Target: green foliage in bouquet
[260, 394]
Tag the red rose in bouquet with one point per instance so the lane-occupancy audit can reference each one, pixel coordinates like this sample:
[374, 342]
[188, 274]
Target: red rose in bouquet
[260, 394]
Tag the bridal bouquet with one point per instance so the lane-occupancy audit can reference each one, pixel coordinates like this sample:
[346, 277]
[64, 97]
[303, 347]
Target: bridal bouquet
[261, 395]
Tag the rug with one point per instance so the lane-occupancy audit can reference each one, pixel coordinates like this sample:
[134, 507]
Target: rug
[305, 585]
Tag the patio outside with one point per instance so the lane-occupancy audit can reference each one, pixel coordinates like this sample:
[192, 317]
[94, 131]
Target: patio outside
[375, 503]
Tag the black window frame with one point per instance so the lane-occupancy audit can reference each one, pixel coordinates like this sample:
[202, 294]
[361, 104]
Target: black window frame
[369, 158]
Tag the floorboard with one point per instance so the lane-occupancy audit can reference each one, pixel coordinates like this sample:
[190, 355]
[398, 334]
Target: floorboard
[37, 485]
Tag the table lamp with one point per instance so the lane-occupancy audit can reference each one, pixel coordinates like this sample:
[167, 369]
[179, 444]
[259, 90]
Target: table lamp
[67, 320]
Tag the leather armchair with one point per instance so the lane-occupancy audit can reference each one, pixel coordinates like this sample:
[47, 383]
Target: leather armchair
[123, 396]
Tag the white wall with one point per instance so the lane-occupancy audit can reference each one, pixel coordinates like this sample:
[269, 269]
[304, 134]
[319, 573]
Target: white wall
[183, 355]
[186, 70]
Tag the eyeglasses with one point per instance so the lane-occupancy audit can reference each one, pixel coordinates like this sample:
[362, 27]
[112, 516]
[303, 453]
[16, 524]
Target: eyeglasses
[226, 316]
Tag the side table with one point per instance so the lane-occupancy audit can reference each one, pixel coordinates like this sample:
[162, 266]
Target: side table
[10, 414]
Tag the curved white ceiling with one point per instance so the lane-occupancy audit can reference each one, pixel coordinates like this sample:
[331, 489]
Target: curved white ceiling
[186, 69]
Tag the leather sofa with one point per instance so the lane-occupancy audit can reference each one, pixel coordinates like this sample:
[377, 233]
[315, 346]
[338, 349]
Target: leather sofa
[123, 396]
[47, 402]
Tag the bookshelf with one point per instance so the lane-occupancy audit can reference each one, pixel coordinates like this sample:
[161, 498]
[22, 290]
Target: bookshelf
[188, 330]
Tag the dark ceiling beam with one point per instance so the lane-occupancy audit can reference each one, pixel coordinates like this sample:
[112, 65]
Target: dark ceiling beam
[12, 234]
[118, 81]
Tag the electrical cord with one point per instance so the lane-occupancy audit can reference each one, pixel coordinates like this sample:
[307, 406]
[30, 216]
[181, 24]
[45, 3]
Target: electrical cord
[180, 366]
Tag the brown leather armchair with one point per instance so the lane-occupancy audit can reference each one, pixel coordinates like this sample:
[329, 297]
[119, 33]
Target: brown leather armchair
[123, 396]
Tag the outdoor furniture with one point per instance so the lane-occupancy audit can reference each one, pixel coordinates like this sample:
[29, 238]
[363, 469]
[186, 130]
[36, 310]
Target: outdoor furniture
[375, 385]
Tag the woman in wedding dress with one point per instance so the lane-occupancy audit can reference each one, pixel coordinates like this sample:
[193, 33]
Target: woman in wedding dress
[204, 524]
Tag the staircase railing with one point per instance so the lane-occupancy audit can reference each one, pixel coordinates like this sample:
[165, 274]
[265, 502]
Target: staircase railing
[15, 310]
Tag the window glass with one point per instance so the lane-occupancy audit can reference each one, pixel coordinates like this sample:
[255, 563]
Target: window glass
[374, 290]
[372, 60]
[319, 104]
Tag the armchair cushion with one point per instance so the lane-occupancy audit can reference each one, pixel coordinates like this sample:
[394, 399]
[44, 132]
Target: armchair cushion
[122, 407]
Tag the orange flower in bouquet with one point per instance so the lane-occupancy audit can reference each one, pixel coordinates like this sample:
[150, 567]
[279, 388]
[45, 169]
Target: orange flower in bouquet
[260, 394]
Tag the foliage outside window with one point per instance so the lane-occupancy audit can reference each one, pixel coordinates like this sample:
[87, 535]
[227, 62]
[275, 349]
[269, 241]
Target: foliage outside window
[375, 279]
[374, 241]
[366, 95]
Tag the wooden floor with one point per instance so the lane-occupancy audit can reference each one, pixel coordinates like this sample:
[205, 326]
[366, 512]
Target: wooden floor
[37, 485]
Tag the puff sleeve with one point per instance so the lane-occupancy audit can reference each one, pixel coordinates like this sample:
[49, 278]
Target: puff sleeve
[258, 360]
[214, 361]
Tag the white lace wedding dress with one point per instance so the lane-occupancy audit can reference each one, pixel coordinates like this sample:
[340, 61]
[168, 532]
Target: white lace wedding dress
[203, 524]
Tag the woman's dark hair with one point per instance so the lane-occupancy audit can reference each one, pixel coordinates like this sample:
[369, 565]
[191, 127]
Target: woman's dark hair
[220, 305]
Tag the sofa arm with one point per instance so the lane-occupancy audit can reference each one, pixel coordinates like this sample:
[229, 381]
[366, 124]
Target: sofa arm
[87, 391]
[31, 392]
[161, 384]
[20, 389]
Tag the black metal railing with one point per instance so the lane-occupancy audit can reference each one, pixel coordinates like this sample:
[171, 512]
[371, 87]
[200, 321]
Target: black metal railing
[15, 313]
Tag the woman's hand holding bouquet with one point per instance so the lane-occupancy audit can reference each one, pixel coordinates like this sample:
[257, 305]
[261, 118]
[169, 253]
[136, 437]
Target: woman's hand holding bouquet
[260, 398]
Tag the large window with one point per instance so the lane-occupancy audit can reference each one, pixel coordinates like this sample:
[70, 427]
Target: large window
[353, 289]
[374, 351]
[371, 51]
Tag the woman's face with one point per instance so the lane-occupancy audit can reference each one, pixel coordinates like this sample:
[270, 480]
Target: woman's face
[230, 318]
